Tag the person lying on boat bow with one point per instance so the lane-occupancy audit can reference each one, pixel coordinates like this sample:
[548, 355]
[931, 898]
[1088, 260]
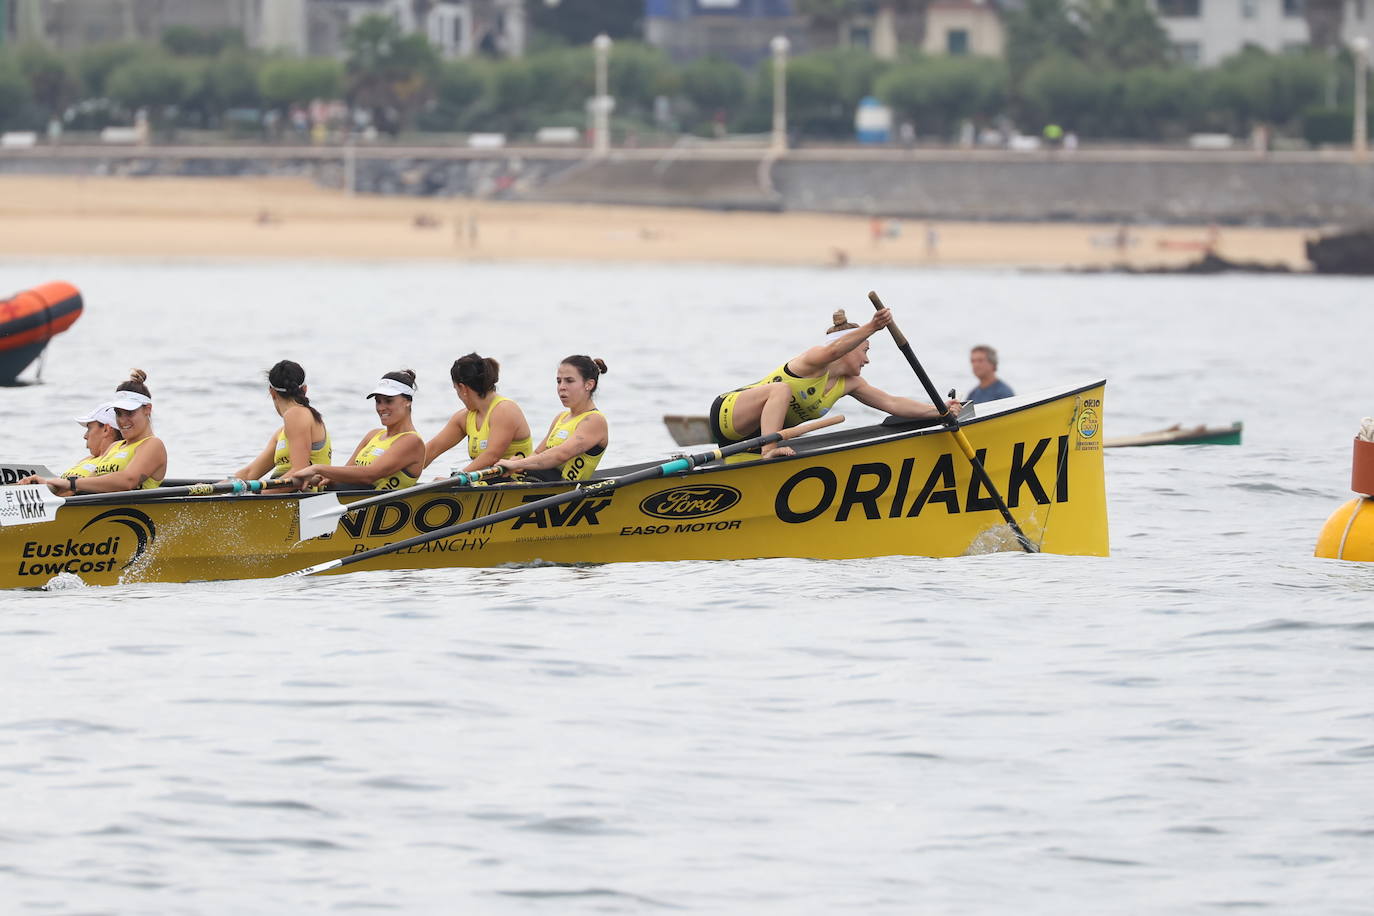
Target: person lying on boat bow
[389, 458]
[494, 426]
[137, 461]
[102, 432]
[578, 436]
[806, 386]
[302, 439]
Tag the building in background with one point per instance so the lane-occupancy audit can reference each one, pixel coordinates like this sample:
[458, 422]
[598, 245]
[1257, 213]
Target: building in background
[737, 30]
[458, 28]
[963, 27]
[1205, 32]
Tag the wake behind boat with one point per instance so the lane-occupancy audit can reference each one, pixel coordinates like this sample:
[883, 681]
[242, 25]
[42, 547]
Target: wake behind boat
[901, 489]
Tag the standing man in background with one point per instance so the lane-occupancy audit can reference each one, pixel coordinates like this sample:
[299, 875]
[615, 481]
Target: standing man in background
[983, 360]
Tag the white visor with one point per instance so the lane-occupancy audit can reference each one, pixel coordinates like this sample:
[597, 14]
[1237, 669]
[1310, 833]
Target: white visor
[129, 400]
[103, 414]
[390, 387]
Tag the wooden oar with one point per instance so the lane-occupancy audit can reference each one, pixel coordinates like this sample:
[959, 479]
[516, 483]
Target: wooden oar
[319, 515]
[33, 503]
[686, 463]
[952, 422]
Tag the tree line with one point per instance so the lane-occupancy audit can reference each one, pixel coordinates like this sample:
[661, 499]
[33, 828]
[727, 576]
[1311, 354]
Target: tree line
[1101, 68]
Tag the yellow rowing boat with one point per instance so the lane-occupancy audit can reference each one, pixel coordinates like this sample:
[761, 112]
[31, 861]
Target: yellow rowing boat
[903, 488]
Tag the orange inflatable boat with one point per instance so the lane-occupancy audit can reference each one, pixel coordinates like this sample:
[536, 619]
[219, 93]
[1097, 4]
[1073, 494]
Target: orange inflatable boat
[30, 319]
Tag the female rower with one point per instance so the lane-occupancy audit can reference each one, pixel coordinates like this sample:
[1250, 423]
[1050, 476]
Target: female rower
[389, 458]
[807, 386]
[494, 426]
[578, 436]
[139, 462]
[102, 431]
[302, 438]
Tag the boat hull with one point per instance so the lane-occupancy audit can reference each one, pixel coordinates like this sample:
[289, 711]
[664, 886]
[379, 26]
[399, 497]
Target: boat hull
[863, 493]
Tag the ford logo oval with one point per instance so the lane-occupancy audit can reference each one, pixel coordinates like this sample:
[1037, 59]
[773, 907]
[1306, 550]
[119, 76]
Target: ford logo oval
[689, 502]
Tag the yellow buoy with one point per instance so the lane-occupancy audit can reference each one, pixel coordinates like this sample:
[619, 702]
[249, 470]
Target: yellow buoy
[1349, 533]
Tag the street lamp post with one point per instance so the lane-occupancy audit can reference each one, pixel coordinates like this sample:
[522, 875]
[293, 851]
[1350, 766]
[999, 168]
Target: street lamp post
[601, 105]
[1359, 146]
[779, 46]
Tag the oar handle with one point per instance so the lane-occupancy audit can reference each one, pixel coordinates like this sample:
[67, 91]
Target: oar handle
[812, 426]
[946, 414]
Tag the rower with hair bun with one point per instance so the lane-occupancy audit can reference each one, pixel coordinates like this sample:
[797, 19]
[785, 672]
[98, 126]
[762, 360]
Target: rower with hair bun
[138, 462]
[806, 387]
[578, 436]
[494, 426]
[388, 458]
[302, 439]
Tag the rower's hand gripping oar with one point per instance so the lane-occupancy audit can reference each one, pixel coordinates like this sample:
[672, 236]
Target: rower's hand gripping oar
[31, 503]
[319, 515]
[952, 421]
[676, 466]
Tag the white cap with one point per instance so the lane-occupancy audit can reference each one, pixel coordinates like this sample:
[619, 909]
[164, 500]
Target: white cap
[129, 400]
[103, 414]
[390, 387]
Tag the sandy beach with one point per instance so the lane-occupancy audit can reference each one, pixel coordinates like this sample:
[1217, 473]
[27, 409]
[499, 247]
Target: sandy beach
[294, 218]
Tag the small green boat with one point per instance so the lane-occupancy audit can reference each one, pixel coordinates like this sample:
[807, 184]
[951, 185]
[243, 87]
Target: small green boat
[1177, 435]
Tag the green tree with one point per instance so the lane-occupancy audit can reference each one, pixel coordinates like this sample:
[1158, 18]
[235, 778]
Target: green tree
[390, 73]
[711, 84]
[1038, 31]
[1123, 34]
[53, 80]
[1157, 102]
[154, 82]
[936, 93]
[289, 81]
[97, 62]
[14, 92]
[189, 41]
[1066, 92]
[231, 80]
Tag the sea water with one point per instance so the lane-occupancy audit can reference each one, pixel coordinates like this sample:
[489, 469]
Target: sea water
[1185, 726]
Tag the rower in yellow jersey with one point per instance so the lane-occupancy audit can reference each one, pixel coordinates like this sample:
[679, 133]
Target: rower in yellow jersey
[101, 432]
[135, 461]
[494, 426]
[578, 436]
[389, 458]
[807, 386]
[302, 439]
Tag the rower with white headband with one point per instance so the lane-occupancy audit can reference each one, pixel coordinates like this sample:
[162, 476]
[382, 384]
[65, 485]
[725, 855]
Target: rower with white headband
[807, 386]
[302, 438]
[101, 433]
[138, 462]
[389, 458]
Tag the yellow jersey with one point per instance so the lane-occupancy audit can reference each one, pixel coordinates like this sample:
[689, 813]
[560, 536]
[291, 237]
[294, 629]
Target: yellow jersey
[320, 453]
[117, 458]
[375, 448]
[578, 467]
[83, 468]
[810, 398]
[480, 436]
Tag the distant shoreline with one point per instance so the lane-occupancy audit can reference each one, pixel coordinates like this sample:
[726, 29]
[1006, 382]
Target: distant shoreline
[293, 218]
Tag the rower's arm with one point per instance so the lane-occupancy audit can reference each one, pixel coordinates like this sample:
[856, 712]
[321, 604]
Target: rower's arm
[865, 393]
[590, 433]
[813, 361]
[150, 461]
[454, 431]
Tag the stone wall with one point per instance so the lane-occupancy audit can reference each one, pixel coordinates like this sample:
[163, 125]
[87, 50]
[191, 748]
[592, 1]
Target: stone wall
[1097, 186]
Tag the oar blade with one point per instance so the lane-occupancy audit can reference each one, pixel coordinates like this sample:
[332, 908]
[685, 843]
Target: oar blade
[28, 504]
[319, 515]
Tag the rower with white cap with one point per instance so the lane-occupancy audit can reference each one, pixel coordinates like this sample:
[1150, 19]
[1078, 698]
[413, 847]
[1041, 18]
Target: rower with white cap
[389, 458]
[132, 457]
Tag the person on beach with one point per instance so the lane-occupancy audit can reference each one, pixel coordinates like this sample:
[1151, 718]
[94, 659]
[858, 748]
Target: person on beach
[983, 360]
[494, 426]
[302, 439]
[102, 432]
[388, 458]
[136, 460]
[806, 386]
[578, 436]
